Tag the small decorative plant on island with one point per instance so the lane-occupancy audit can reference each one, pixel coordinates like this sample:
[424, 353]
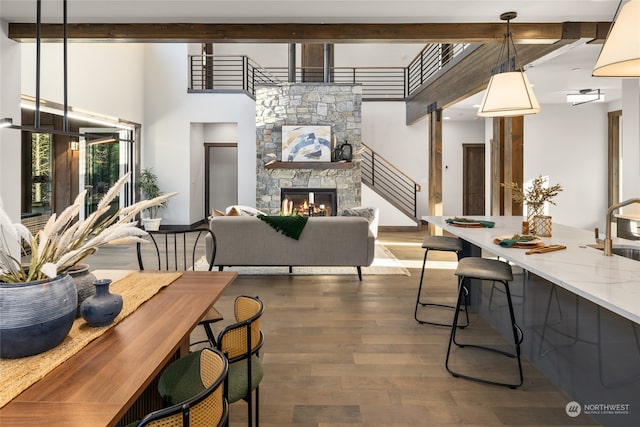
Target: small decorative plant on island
[535, 196]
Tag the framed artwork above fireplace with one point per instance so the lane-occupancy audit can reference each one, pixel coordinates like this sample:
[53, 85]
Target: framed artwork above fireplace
[306, 143]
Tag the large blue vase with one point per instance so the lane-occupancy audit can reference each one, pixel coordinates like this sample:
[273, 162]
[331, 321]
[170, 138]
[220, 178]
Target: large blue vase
[35, 316]
[102, 308]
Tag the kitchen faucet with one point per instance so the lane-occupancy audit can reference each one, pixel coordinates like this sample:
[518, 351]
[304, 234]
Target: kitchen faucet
[608, 243]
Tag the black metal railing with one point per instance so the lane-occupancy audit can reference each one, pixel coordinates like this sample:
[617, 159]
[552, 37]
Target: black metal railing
[215, 72]
[378, 83]
[389, 182]
[433, 58]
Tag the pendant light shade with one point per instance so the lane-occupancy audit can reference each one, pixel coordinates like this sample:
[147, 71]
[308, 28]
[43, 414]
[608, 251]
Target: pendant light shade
[620, 55]
[509, 92]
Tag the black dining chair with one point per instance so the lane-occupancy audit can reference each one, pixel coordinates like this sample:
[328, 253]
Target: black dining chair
[182, 249]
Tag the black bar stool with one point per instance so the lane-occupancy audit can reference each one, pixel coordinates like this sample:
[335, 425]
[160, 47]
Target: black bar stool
[437, 243]
[495, 271]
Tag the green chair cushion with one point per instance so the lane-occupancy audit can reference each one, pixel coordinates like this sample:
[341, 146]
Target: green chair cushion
[238, 378]
[181, 380]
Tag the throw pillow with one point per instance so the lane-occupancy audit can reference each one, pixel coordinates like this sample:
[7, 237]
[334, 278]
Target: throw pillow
[368, 213]
[216, 212]
[233, 212]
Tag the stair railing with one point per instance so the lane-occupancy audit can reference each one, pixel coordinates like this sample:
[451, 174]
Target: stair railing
[389, 182]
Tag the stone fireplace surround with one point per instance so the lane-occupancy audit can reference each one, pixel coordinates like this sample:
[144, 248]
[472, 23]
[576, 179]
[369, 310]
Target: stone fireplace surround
[335, 105]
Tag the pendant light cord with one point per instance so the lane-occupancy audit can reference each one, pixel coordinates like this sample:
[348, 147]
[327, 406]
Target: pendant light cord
[38, 42]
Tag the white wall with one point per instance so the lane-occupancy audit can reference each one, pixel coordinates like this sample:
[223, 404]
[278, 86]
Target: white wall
[221, 132]
[344, 54]
[104, 78]
[631, 143]
[384, 130]
[169, 113]
[454, 134]
[569, 144]
[10, 138]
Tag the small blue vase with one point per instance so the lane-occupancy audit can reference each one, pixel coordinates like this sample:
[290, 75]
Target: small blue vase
[102, 308]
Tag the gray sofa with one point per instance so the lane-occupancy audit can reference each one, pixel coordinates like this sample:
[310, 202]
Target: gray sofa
[325, 241]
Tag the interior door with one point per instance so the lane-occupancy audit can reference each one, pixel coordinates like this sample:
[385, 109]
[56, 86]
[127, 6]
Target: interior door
[473, 166]
[221, 176]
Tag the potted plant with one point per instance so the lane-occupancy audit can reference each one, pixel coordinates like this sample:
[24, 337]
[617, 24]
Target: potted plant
[535, 196]
[148, 186]
[38, 300]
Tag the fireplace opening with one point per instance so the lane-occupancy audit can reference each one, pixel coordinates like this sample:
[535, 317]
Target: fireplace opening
[309, 201]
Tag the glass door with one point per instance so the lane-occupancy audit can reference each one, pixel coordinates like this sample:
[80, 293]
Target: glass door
[104, 158]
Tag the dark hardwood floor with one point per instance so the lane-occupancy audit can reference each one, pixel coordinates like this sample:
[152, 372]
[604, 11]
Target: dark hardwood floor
[340, 352]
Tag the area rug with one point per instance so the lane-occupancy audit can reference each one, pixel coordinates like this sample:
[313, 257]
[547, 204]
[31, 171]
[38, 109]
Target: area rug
[384, 262]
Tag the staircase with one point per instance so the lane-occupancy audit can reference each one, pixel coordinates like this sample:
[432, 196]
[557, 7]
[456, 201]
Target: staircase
[389, 182]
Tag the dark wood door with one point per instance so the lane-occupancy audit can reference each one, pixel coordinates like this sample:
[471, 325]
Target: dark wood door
[473, 179]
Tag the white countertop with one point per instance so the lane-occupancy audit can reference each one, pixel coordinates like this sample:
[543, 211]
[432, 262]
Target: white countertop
[611, 282]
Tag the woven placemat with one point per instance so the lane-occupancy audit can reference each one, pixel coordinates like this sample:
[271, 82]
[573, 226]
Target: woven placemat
[19, 374]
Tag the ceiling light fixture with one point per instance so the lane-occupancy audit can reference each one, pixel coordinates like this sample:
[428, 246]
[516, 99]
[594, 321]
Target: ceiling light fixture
[509, 92]
[620, 54]
[585, 96]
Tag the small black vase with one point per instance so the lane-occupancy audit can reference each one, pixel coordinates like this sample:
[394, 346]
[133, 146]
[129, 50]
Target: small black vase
[102, 308]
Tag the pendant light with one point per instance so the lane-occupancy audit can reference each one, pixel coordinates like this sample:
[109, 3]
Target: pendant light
[620, 54]
[509, 92]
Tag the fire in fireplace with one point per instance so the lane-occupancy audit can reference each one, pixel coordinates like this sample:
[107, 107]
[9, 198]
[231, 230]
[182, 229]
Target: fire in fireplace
[309, 201]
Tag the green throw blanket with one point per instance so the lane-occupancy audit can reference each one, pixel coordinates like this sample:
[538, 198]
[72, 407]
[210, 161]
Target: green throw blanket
[291, 226]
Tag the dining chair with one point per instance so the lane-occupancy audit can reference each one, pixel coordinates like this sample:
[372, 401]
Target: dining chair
[182, 249]
[208, 407]
[241, 343]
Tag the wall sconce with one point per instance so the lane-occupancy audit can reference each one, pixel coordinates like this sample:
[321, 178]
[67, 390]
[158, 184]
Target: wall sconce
[6, 122]
[509, 92]
[620, 54]
[585, 96]
[74, 145]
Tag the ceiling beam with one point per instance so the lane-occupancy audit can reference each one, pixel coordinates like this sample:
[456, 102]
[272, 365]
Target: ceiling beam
[467, 77]
[538, 33]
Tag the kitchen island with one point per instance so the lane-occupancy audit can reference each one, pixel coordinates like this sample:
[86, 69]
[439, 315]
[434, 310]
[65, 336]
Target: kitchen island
[578, 308]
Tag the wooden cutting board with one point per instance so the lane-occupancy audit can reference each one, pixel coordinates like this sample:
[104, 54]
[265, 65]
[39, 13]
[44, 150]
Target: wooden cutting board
[545, 249]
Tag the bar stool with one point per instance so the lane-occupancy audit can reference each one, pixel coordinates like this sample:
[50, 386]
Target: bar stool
[495, 271]
[437, 243]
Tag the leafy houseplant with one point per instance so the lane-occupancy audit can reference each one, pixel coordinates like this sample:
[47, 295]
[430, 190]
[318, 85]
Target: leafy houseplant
[148, 186]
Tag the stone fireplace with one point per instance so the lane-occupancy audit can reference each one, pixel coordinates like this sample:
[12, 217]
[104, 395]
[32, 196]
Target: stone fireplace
[321, 104]
[310, 201]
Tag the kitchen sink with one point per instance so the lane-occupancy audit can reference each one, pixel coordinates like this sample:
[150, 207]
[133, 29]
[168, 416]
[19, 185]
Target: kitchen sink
[627, 252]
[631, 252]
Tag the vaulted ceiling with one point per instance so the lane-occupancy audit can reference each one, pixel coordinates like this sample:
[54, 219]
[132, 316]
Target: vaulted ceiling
[435, 20]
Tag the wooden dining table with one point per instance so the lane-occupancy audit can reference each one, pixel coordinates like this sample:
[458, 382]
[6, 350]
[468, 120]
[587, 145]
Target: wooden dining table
[112, 380]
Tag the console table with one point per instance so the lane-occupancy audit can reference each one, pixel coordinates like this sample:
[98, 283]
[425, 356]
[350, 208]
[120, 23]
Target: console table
[99, 384]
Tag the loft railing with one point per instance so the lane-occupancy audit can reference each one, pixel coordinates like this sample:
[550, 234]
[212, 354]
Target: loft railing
[433, 58]
[214, 72]
[389, 182]
[378, 83]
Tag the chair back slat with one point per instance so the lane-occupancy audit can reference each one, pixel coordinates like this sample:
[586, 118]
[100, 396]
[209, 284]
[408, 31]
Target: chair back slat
[178, 250]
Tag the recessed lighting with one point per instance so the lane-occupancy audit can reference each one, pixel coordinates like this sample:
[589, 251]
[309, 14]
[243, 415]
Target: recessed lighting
[576, 69]
[446, 118]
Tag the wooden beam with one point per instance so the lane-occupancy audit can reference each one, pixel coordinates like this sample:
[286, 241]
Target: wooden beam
[467, 77]
[285, 33]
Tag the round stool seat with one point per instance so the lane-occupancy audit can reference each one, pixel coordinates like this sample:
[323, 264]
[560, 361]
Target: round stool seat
[484, 269]
[442, 243]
